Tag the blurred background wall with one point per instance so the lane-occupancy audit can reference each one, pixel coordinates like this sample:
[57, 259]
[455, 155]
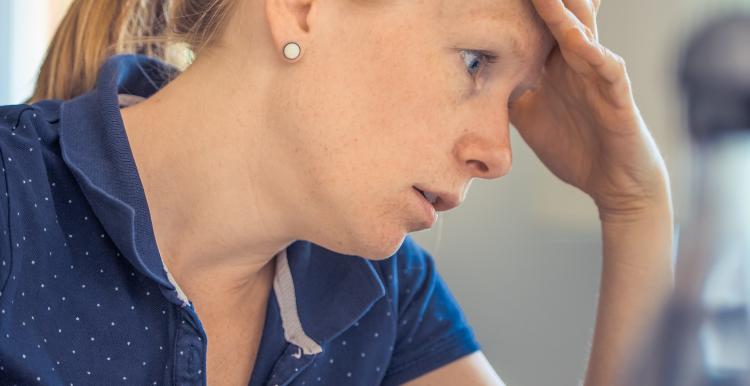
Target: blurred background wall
[26, 27]
[522, 254]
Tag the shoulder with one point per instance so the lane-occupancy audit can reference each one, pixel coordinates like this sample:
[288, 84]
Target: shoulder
[22, 122]
[47, 110]
[28, 138]
[26, 130]
[431, 328]
[417, 289]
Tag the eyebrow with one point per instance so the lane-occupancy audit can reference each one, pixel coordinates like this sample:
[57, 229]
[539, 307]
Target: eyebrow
[493, 23]
[514, 44]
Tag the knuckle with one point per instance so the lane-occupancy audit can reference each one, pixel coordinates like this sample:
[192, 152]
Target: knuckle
[589, 32]
[619, 60]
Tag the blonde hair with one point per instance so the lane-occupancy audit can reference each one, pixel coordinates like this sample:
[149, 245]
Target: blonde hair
[92, 30]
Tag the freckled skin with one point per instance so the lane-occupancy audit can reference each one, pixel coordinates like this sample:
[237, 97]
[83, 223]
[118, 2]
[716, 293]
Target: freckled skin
[244, 153]
[378, 110]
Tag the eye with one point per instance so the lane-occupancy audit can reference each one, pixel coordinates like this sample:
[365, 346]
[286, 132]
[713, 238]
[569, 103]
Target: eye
[476, 60]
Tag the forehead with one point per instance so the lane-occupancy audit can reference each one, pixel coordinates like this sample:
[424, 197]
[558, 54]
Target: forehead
[520, 13]
[516, 20]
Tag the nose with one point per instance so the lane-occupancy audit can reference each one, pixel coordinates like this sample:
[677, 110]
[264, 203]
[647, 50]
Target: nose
[486, 152]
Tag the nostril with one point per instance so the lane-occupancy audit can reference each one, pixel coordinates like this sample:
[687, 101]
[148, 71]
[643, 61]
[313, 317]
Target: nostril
[495, 165]
[479, 165]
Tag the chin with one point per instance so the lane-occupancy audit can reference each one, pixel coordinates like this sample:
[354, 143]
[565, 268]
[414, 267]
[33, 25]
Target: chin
[383, 246]
[364, 232]
[374, 244]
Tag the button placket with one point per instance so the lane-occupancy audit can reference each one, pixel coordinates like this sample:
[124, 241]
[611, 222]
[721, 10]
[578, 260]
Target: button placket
[189, 351]
[289, 366]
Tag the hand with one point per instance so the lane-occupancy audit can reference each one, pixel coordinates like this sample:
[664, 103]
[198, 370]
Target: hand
[582, 120]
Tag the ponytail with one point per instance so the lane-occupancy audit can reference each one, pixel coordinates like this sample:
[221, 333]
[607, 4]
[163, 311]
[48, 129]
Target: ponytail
[93, 30]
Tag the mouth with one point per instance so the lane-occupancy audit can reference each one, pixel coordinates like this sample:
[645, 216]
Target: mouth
[441, 201]
[430, 197]
[427, 204]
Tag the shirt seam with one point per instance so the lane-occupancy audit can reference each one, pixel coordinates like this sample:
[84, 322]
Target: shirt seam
[7, 221]
[177, 335]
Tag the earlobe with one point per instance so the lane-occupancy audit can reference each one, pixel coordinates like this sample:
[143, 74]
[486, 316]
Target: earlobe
[289, 23]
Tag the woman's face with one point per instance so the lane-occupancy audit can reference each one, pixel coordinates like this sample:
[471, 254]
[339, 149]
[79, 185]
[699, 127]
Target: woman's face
[389, 97]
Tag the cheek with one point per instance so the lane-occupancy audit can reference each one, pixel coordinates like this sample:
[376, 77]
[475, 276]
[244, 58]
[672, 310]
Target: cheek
[368, 124]
[386, 96]
[406, 106]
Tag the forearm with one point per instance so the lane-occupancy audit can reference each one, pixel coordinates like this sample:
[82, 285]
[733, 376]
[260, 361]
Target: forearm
[636, 275]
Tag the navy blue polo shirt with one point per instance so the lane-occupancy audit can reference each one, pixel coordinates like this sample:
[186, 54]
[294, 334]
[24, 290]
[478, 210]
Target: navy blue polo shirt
[85, 298]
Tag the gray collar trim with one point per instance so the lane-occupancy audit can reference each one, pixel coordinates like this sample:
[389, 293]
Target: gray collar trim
[283, 286]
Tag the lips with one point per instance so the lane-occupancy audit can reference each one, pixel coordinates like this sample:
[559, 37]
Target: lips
[440, 200]
[431, 197]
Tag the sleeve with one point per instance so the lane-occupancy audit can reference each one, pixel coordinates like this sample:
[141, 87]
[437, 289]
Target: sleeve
[432, 330]
[5, 262]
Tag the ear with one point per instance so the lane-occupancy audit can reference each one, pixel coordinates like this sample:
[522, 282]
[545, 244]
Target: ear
[290, 20]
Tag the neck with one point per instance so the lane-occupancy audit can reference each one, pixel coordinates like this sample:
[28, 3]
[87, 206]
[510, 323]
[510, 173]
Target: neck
[204, 166]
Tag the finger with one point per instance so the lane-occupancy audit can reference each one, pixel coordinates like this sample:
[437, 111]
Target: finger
[583, 53]
[552, 12]
[570, 33]
[580, 53]
[597, 4]
[560, 19]
[585, 11]
[610, 66]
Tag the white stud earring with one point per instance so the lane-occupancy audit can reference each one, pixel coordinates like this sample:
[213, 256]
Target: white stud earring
[292, 50]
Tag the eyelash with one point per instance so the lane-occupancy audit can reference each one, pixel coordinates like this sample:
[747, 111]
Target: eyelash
[485, 58]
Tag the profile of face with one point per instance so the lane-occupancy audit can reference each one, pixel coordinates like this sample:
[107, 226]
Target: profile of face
[389, 96]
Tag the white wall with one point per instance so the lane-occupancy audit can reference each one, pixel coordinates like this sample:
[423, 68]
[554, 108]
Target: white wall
[25, 29]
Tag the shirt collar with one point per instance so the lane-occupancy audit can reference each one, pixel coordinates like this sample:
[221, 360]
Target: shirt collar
[325, 291]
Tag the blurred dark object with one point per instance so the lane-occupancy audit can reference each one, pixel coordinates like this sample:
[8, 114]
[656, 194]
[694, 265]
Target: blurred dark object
[715, 76]
[703, 336]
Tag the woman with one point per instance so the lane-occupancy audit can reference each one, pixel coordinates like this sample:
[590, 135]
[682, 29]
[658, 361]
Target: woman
[245, 220]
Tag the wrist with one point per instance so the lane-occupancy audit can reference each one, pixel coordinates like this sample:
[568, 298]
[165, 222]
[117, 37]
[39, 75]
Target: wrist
[653, 201]
[640, 235]
[637, 211]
